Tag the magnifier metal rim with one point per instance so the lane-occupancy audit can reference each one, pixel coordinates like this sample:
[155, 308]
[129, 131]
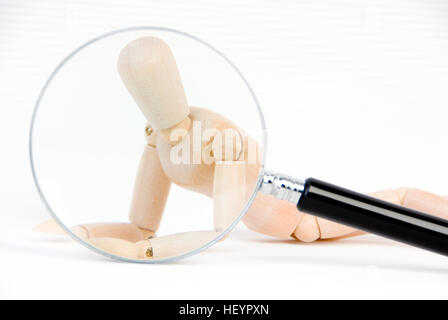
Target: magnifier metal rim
[46, 203]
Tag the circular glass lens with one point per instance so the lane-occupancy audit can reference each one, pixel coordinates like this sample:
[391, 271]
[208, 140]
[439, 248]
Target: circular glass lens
[147, 144]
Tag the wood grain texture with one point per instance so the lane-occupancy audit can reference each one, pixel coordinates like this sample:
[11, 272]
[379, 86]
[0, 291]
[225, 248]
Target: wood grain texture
[150, 191]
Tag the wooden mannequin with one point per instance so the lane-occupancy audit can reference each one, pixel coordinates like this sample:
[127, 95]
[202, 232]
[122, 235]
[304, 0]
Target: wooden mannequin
[148, 69]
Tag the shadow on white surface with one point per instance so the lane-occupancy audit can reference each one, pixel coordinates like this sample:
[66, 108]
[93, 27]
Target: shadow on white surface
[246, 247]
[246, 265]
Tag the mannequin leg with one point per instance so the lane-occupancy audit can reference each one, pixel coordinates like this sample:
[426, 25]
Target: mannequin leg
[148, 202]
[156, 248]
[124, 231]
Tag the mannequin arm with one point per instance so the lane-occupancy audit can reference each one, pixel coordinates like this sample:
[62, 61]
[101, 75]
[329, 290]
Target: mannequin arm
[150, 191]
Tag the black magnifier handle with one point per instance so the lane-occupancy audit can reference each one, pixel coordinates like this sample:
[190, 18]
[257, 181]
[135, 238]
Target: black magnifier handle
[361, 212]
[375, 216]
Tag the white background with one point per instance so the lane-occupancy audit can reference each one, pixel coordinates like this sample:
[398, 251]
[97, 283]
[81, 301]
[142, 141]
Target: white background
[353, 92]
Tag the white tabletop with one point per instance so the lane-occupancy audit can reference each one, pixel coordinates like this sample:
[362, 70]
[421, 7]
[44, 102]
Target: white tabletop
[245, 266]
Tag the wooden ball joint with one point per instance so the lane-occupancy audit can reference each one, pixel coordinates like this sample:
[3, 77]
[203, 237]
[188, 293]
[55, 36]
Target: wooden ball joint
[149, 72]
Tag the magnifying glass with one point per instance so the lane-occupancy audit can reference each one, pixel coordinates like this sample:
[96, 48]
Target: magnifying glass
[148, 145]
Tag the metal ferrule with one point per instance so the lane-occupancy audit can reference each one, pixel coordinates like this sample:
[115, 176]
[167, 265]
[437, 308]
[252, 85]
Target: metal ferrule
[282, 187]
